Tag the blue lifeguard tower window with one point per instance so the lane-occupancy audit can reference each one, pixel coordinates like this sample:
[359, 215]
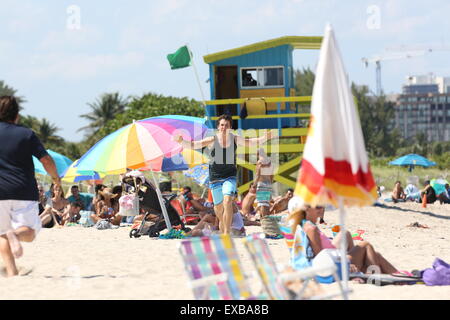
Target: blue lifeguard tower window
[262, 77]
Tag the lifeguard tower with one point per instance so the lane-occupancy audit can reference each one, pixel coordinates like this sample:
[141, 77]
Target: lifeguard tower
[255, 85]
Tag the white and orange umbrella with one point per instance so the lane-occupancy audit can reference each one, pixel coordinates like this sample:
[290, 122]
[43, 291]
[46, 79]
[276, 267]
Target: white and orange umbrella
[335, 167]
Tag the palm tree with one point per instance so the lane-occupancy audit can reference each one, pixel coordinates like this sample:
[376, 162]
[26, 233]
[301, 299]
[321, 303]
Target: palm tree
[30, 122]
[102, 110]
[47, 133]
[6, 90]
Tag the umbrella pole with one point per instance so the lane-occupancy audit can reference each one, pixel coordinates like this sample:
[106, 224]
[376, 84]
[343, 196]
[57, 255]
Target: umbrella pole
[343, 244]
[161, 201]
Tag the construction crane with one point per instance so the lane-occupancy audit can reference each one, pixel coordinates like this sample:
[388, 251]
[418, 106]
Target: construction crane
[383, 57]
[402, 52]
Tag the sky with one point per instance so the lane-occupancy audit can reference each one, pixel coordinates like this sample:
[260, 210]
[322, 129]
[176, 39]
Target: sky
[61, 55]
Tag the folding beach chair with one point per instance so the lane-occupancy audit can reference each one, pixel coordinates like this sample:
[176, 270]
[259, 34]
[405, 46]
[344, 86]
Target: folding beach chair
[266, 267]
[187, 218]
[214, 268]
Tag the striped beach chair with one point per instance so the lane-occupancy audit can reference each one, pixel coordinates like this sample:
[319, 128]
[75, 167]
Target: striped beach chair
[265, 265]
[214, 268]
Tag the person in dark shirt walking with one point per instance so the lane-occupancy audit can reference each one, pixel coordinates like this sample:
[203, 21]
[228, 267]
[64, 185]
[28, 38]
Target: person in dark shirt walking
[222, 166]
[19, 196]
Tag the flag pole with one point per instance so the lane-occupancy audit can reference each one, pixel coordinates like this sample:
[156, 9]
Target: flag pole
[196, 75]
[199, 85]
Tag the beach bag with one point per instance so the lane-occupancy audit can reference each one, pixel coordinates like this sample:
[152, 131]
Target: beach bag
[129, 205]
[438, 275]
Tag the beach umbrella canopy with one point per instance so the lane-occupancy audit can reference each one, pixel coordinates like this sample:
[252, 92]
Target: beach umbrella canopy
[412, 160]
[438, 185]
[335, 167]
[71, 174]
[61, 162]
[143, 143]
[200, 174]
[335, 164]
[188, 158]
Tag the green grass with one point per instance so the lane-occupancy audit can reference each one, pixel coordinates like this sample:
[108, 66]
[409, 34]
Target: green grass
[387, 175]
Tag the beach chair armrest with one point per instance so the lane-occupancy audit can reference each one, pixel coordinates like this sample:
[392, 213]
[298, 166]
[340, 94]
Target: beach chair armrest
[208, 280]
[306, 273]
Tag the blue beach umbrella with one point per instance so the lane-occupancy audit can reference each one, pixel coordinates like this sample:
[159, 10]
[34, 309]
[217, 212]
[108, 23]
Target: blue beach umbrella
[62, 163]
[412, 160]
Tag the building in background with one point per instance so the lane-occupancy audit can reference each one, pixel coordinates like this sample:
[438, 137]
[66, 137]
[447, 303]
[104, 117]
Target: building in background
[424, 106]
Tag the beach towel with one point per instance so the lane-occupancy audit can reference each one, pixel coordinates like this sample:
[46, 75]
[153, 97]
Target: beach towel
[438, 275]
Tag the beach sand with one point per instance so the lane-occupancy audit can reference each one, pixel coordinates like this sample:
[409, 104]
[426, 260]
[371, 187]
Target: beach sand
[85, 263]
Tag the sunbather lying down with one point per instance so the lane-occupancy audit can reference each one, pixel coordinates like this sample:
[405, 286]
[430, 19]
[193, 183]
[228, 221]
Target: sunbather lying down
[362, 256]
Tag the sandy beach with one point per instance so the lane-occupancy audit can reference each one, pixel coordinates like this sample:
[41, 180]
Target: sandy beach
[85, 263]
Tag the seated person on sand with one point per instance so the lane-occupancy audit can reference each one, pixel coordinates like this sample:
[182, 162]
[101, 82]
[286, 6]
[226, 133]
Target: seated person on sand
[398, 193]
[209, 224]
[42, 198]
[80, 198]
[107, 206]
[194, 206]
[98, 188]
[281, 204]
[72, 213]
[442, 194]
[412, 193]
[247, 208]
[55, 208]
[361, 255]
[428, 190]
[445, 197]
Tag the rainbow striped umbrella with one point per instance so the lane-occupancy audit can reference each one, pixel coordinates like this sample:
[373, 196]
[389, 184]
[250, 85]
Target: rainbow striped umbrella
[71, 174]
[143, 143]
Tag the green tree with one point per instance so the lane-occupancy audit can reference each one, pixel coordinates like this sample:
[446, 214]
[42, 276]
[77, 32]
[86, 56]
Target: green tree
[30, 122]
[150, 105]
[47, 134]
[6, 90]
[103, 109]
[376, 116]
[304, 81]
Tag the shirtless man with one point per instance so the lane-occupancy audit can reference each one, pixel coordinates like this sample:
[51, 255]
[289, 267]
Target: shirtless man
[398, 192]
[280, 205]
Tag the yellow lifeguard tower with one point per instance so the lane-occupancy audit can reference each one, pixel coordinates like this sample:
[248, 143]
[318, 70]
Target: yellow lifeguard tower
[255, 85]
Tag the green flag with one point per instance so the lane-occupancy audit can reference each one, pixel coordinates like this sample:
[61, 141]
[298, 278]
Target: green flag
[180, 59]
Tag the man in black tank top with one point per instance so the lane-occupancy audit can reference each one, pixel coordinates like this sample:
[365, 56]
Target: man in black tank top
[222, 166]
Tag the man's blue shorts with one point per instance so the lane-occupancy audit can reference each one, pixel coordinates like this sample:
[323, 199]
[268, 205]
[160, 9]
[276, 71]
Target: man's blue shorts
[222, 188]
